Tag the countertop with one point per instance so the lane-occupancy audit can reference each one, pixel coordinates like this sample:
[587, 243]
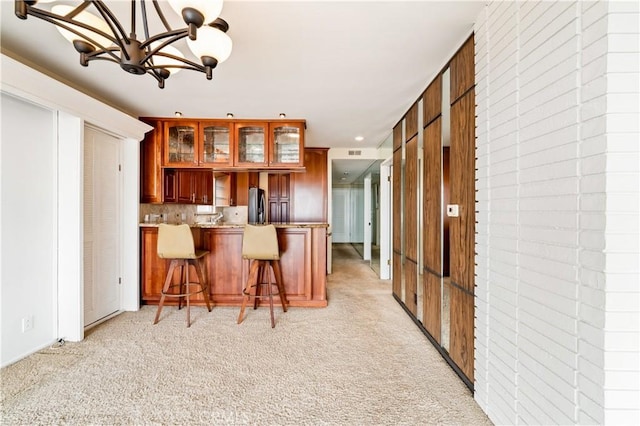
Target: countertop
[241, 225]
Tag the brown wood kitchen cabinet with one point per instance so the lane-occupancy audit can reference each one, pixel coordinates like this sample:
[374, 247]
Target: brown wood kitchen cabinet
[286, 144]
[185, 186]
[151, 164]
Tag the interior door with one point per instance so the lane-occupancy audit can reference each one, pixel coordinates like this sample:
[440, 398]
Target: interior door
[101, 225]
[340, 226]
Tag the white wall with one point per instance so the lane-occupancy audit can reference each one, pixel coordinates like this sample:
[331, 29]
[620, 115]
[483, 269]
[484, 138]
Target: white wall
[57, 226]
[28, 231]
[557, 288]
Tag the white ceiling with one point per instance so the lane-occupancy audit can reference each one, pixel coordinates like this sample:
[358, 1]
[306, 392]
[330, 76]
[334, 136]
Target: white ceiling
[348, 68]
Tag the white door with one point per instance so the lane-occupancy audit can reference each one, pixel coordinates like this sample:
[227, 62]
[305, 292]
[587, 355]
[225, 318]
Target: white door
[357, 214]
[367, 218]
[340, 227]
[101, 225]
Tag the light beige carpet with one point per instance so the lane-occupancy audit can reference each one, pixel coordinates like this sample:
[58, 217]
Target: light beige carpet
[360, 361]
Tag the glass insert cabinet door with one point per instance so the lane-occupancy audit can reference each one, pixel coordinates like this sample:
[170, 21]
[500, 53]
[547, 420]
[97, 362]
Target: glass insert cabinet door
[252, 144]
[286, 143]
[216, 144]
[180, 143]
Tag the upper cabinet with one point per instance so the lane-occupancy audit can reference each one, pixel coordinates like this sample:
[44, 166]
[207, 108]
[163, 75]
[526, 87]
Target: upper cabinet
[286, 144]
[231, 144]
[181, 144]
[198, 143]
[251, 144]
[217, 143]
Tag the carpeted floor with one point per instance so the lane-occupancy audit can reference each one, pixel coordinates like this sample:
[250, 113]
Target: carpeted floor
[360, 361]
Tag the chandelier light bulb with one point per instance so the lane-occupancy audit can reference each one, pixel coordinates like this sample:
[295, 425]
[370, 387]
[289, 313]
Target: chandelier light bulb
[211, 42]
[85, 18]
[210, 9]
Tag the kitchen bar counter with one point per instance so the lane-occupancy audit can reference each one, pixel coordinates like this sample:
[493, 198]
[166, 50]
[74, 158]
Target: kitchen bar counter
[303, 261]
[241, 225]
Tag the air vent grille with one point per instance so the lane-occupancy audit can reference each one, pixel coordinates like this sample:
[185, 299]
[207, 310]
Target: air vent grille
[355, 152]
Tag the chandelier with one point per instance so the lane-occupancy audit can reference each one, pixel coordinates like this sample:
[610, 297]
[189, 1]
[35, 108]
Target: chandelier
[102, 36]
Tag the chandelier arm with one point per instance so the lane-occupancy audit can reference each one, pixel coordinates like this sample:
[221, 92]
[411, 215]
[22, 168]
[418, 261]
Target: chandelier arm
[188, 65]
[133, 17]
[78, 9]
[69, 25]
[161, 16]
[172, 36]
[145, 25]
[58, 19]
[114, 25]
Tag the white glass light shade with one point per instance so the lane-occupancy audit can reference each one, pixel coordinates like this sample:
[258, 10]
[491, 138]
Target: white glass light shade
[210, 9]
[211, 42]
[163, 61]
[86, 18]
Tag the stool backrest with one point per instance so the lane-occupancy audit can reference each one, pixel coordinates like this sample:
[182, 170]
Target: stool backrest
[175, 242]
[260, 242]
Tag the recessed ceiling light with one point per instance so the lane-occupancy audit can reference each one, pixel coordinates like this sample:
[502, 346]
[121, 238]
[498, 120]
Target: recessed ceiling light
[229, 115]
[282, 115]
[178, 114]
[359, 138]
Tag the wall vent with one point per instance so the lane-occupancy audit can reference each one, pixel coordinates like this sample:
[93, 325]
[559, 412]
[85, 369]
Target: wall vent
[355, 152]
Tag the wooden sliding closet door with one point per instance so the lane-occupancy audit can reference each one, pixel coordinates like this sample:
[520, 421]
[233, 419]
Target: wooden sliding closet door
[432, 212]
[462, 228]
[397, 209]
[410, 211]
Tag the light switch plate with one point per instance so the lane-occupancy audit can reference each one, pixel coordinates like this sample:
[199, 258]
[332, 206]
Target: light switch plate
[452, 210]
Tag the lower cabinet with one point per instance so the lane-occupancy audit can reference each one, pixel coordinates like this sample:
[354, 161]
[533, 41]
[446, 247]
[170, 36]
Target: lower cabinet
[303, 263]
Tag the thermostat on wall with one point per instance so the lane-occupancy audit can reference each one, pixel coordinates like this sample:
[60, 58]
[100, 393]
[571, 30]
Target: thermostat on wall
[452, 210]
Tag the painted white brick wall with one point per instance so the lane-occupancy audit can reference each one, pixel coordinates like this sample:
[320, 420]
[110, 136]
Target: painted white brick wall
[558, 238]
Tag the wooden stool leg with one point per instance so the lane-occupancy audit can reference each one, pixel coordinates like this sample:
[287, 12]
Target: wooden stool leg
[205, 284]
[270, 285]
[188, 284]
[165, 288]
[277, 272]
[183, 279]
[253, 278]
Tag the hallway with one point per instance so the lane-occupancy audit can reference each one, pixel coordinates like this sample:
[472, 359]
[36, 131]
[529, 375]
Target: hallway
[360, 361]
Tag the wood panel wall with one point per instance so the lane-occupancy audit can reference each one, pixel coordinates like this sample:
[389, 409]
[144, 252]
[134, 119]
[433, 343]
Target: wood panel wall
[397, 207]
[411, 122]
[462, 228]
[410, 211]
[462, 70]
[432, 222]
[432, 101]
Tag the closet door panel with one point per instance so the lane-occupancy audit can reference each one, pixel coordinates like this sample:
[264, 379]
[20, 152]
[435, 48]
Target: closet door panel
[463, 70]
[411, 122]
[397, 222]
[432, 304]
[461, 348]
[432, 101]
[432, 217]
[462, 163]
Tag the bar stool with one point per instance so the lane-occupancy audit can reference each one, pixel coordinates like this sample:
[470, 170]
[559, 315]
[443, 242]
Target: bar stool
[260, 245]
[175, 242]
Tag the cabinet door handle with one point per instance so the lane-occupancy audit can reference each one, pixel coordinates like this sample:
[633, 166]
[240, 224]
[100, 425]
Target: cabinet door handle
[193, 197]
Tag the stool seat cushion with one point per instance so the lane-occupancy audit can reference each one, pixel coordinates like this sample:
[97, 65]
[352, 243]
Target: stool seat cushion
[260, 242]
[175, 242]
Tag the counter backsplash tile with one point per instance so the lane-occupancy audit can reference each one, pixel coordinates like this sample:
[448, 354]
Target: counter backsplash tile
[174, 212]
